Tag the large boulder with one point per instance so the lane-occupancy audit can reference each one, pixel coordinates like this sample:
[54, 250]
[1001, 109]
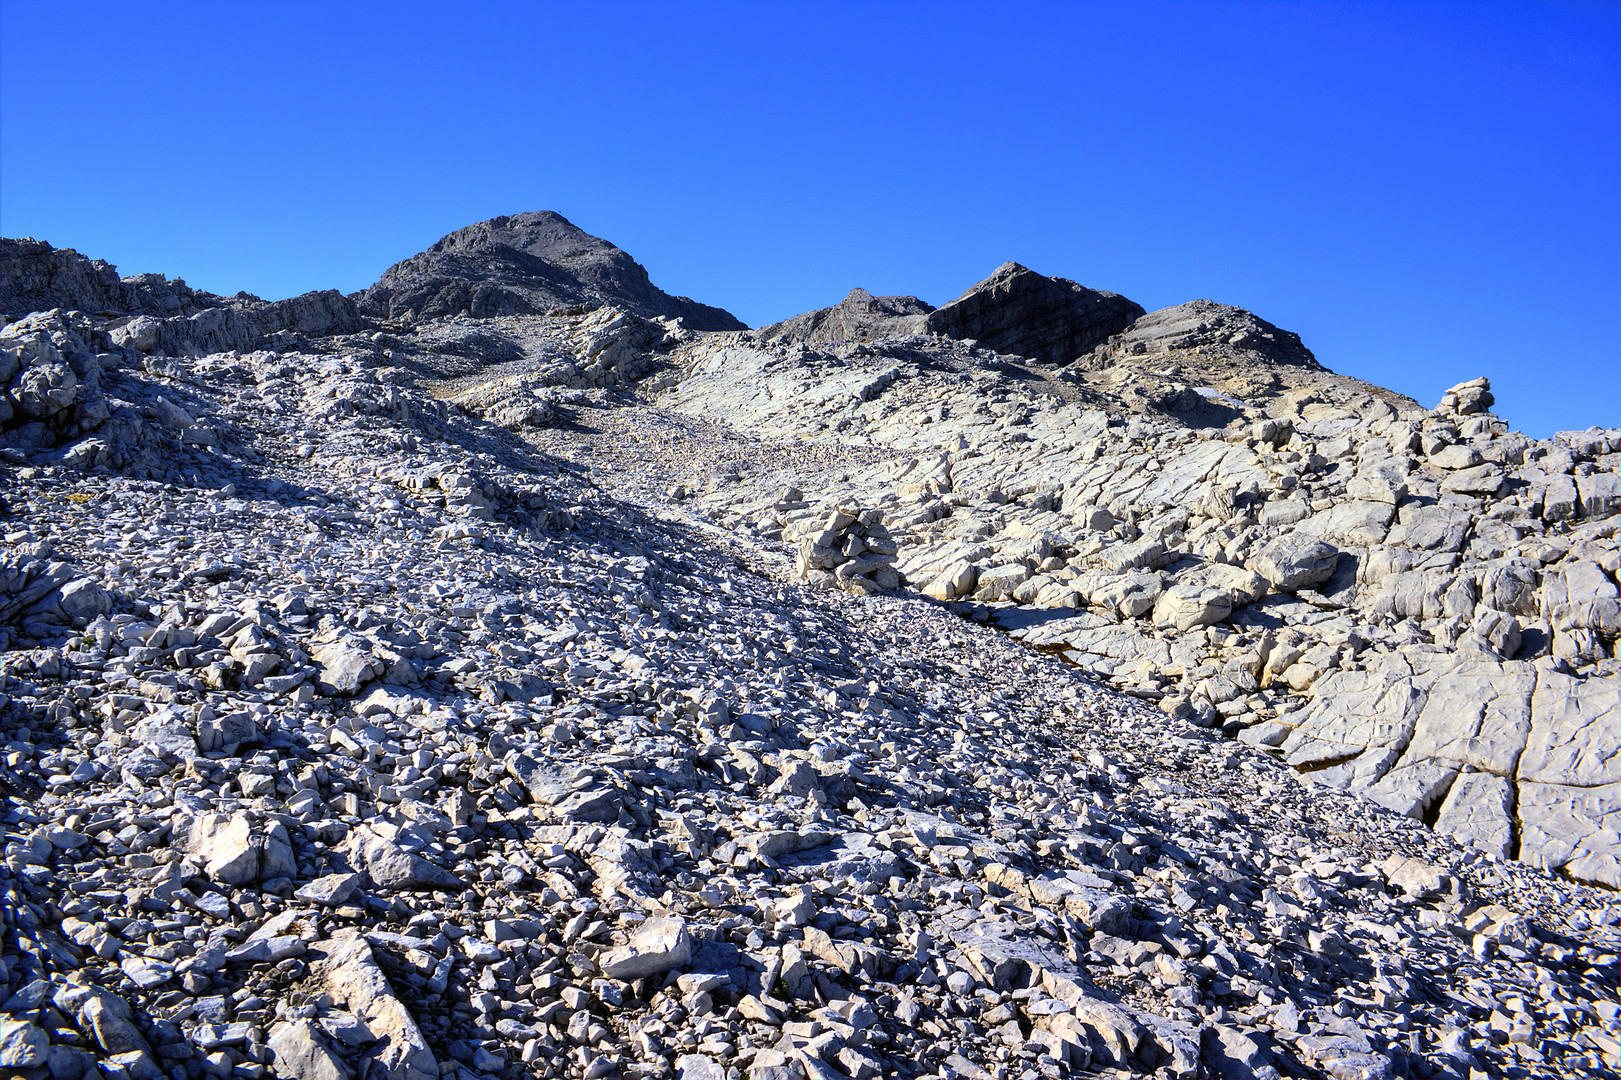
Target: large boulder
[38, 593]
[1294, 562]
[657, 946]
[394, 1046]
[1188, 606]
[50, 376]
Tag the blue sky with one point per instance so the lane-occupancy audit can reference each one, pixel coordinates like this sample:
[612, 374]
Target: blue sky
[1424, 191]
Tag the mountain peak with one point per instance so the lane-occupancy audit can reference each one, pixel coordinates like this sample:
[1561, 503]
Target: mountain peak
[526, 264]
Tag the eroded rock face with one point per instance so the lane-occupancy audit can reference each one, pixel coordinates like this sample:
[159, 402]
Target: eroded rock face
[526, 264]
[1205, 363]
[1202, 324]
[1019, 311]
[860, 316]
[34, 276]
[149, 312]
[242, 326]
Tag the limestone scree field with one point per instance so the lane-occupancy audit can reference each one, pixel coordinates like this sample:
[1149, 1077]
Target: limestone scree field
[513, 670]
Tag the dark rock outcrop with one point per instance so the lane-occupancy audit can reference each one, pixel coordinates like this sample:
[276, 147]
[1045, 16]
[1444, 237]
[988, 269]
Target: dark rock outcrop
[1018, 311]
[860, 316]
[34, 276]
[526, 264]
[1206, 325]
[153, 313]
[1200, 360]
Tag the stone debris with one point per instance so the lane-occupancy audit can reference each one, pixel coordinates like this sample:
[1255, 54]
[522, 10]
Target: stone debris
[352, 732]
[1302, 582]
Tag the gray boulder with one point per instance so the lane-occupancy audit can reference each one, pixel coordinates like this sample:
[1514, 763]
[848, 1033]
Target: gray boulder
[1188, 606]
[51, 368]
[1295, 562]
[37, 593]
[657, 946]
[303, 1053]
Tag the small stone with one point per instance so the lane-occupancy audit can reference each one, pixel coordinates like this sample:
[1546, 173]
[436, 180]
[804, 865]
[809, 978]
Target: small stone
[331, 890]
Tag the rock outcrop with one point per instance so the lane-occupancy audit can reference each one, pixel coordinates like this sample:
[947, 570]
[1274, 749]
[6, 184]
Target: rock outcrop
[1019, 311]
[149, 312]
[1204, 325]
[1207, 363]
[526, 264]
[1304, 584]
[860, 316]
[34, 276]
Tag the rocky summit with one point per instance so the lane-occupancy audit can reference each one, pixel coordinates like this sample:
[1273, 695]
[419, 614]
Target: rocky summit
[526, 264]
[512, 670]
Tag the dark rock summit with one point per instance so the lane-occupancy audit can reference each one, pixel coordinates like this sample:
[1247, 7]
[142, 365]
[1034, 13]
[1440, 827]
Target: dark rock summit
[526, 264]
[1201, 362]
[1015, 310]
[1052, 320]
[860, 316]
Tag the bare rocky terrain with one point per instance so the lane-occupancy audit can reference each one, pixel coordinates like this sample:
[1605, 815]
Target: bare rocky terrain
[507, 672]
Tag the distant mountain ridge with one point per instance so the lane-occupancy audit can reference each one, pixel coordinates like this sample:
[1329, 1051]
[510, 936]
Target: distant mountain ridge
[537, 263]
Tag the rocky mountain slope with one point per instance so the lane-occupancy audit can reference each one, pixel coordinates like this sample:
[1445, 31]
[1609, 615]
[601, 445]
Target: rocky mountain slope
[526, 264]
[584, 694]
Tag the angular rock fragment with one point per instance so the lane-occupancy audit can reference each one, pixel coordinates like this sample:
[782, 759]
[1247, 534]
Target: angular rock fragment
[658, 945]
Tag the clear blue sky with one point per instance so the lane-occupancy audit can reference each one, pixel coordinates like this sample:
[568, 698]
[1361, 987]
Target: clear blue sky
[1424, 191]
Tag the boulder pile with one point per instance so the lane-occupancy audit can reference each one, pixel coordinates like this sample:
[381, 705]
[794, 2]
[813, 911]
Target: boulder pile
[848, 549]
[52, 378]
